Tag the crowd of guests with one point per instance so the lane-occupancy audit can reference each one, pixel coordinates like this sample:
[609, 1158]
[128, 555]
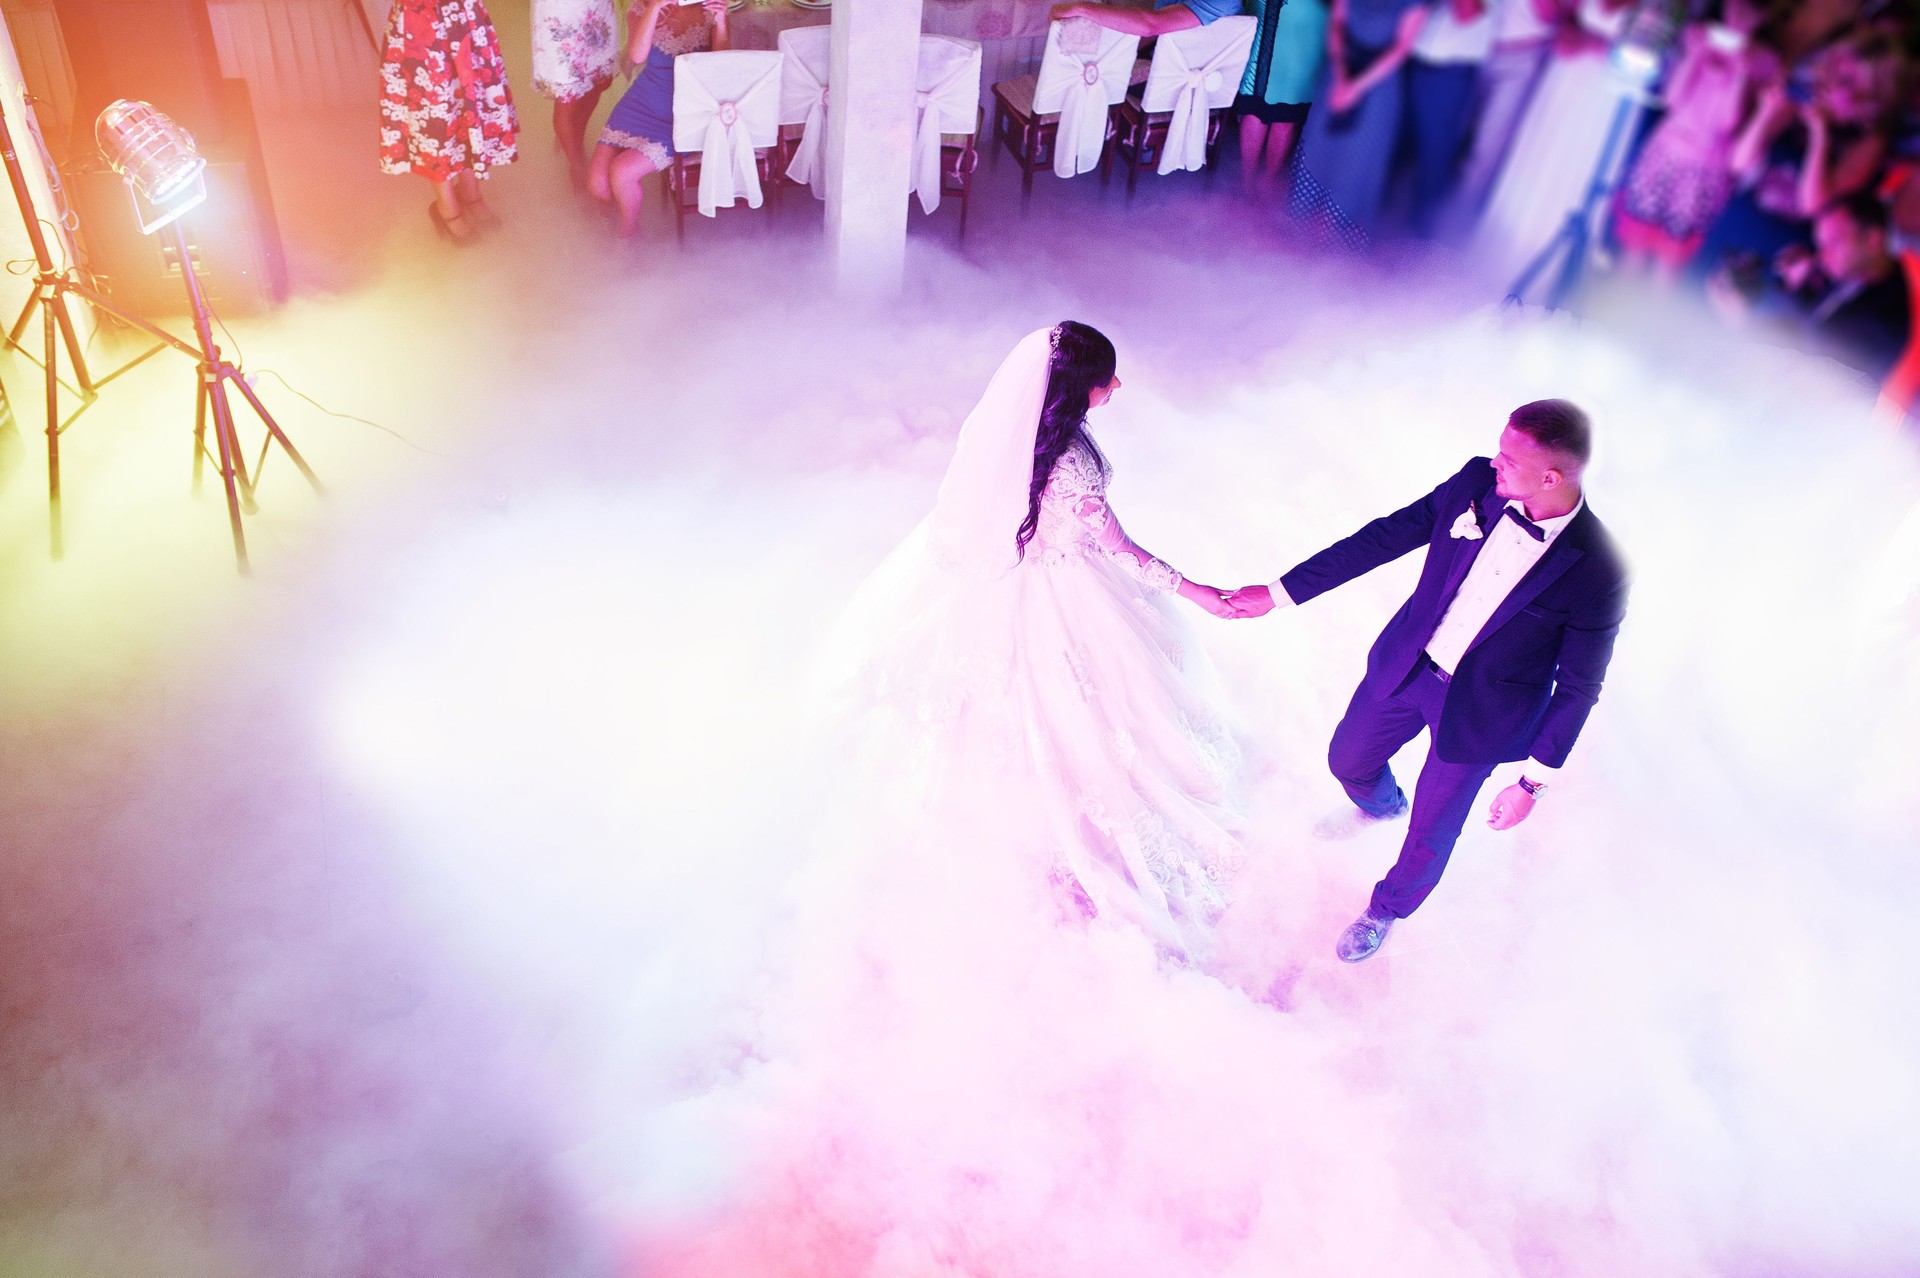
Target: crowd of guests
[1777, 171]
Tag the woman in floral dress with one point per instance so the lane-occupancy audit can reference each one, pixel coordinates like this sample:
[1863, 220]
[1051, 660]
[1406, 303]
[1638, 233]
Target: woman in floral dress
[445, 110]
[574, 55]
[638, 136]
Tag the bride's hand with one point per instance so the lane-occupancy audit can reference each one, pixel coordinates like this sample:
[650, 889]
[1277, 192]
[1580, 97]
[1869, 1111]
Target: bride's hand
[1212, 598]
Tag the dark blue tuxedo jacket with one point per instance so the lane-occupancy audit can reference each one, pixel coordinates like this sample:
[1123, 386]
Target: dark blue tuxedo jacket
[1533, 672]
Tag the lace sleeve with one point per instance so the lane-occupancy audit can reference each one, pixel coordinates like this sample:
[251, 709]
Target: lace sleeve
[1097, 517]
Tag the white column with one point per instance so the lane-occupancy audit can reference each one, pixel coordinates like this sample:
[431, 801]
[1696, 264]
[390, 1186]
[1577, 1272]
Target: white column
[876, 44]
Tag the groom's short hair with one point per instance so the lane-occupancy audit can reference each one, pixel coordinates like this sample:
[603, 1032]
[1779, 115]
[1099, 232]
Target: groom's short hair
[1556, 424]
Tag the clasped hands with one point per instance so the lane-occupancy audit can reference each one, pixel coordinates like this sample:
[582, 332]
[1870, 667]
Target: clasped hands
[1234, 605]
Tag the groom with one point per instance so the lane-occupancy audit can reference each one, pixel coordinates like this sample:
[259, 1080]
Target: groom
[1499, 653]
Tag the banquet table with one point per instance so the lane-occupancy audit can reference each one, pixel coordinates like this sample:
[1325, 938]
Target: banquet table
[1012, 33]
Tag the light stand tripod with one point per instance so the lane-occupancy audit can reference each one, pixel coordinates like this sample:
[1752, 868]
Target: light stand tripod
[1572, 243]
[215, 373]
[51, 289]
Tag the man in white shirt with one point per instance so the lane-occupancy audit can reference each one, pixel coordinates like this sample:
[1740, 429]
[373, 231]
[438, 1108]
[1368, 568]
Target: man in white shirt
[1500, 651]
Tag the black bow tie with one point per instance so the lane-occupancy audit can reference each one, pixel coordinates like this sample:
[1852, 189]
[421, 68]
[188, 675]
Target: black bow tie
[1532, 529]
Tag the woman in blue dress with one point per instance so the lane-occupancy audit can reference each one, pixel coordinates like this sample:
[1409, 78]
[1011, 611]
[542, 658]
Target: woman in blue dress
[1350, 139]
[638, 137]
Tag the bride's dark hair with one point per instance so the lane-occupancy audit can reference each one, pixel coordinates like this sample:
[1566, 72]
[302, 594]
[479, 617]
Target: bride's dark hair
[1083, 359]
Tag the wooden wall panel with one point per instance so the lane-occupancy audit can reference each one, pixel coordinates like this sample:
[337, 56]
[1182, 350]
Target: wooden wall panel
[43, 62]
[295, 54]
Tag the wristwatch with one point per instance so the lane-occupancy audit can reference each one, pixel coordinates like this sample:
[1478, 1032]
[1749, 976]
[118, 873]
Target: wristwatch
[1534, 789]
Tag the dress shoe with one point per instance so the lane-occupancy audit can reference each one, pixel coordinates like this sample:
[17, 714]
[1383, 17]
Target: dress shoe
[1362, 937]
[1339, 826]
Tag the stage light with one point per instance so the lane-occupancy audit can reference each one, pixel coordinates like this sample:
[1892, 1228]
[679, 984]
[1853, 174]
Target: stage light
[1640, 52]
[163, 169]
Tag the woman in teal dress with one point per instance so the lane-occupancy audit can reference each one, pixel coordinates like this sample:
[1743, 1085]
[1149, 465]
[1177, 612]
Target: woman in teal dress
[1277, 91]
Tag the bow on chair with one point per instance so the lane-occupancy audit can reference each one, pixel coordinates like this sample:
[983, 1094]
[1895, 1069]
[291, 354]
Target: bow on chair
[809, 165]
[1083, 123]
[929, 107]
[1186, 145]
[1193, 73]
[727, 169]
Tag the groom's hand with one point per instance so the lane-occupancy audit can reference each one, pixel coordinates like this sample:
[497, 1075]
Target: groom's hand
[1251, 601]
[1510, 808]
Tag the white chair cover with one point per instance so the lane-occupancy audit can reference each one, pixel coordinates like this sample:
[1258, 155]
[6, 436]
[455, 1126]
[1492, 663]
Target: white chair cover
[1194, 71]
[725, 104]
[946, 100]
[803, 101]
[1084, 71]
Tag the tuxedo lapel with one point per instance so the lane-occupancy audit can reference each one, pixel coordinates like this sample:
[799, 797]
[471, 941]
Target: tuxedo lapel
[1566, 551]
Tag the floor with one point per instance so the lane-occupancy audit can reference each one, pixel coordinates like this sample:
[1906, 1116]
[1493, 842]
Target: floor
[438, 899]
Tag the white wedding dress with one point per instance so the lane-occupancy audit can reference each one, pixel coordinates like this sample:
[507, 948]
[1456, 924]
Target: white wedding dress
[1055, 715]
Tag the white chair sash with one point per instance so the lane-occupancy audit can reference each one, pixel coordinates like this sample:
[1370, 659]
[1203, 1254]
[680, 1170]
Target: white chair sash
[1084, 71]
[946, 97]
[803, 101]
[725, 104]
[1193, 72]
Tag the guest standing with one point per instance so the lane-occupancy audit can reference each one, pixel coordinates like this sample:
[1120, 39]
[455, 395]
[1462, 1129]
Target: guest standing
[575, 51]
[1522, 44]
[446, 113]
[1276, 93]
[1560, 143]
[1443, 74]
[638, 136]
[1683, 176]
[1349, 142]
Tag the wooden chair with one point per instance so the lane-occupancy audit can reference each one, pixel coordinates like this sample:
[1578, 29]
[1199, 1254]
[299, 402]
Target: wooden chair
[726, 112]
[946, 121]
[803, 107]
[1174, 120]
[683, 184]
[1083, 75]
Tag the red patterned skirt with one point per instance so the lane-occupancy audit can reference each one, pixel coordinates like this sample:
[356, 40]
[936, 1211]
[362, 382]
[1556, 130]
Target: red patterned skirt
[444, 103]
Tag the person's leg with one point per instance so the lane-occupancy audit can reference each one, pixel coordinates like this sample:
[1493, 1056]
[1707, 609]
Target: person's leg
[600, 172]
[447, 212]
[1253, 140]
[479, 212]
[1440, 97]
[1442, 800]
[1369, 735]
[626, 177]
[570, 130]
[1281, 140]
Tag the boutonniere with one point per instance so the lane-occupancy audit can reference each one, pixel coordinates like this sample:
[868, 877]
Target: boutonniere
[1466, 526]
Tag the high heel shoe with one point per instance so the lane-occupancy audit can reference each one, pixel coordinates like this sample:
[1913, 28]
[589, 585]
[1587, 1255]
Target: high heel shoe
[444, 226]
[481, 214]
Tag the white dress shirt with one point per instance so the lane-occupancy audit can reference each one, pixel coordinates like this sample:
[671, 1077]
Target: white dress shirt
[1446, 39]
[1506, 557]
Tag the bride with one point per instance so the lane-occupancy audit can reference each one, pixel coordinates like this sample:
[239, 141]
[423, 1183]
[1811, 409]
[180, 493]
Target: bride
[1020, 683]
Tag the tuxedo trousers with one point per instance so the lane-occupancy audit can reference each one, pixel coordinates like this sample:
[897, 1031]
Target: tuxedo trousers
[1370, 734]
